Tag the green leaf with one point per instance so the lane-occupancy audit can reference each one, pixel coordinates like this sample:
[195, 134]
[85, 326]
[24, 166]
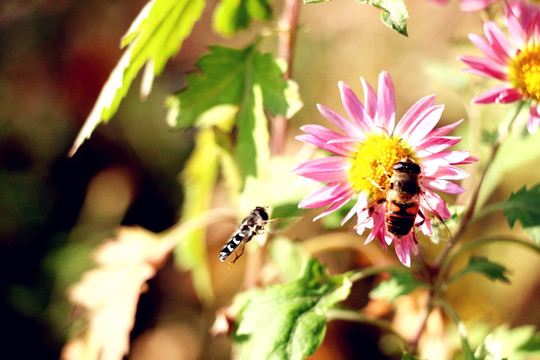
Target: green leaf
[401, 283]
[482, 265]
[407, 356]
[252, 151]
[199, 178]
[244, 78]
[520, 343]
[288, 256]
[524, 206]
[154, 36]
[228, 76]
[288, 321]
[394, 13]
[517, 152]
[231, 16]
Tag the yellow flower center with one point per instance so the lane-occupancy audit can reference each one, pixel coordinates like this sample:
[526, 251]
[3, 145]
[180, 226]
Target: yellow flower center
[524, 72]
[374, 162]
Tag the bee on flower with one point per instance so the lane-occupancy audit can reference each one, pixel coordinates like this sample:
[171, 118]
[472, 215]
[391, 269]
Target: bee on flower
[373, 154]
[513, 59]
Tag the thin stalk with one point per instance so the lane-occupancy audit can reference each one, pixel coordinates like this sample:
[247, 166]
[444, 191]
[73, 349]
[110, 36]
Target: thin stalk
[288, 24]
[468, 216]
[487, 241]
[467, 351]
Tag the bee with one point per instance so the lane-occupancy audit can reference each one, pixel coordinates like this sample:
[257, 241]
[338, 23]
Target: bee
[402, 203]
[252, 225]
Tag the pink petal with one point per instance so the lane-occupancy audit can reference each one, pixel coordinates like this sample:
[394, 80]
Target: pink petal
[338, 204]
[431, 201]
[361, 203]
[424, 124]
[343, 124]
[370, 99]
[484, 46]
[402, 247]
[445, 158]
[444, 130]
[386, 109]
[327, 169]
[326, 196]
[516, 30]
[449, 172]
[354, 108]
[322, 137]
[413, 114]
[426, 225]
[484, 67]
[443, 185]
[498, 41]
[475, 5]
[501, 94]
[469, 160]
[534, 119]
[431, 145]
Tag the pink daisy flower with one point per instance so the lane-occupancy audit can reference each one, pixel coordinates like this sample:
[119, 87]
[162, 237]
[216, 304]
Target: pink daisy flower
[367, 150]
[515, 61]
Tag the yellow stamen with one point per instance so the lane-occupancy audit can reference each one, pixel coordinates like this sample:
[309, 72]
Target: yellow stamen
[374, 162]
[524, 72]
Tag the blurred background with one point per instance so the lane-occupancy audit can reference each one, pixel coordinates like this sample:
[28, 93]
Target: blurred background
[54, 59]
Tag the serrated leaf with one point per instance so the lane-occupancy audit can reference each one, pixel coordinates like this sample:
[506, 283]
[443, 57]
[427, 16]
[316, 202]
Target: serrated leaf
[394, 13]
[288, 321]
[524, 206]
[249, 80]
[231, 16]
[228, 77]
[154, 36]
[400, 283]
[482, 265]
[520, 343]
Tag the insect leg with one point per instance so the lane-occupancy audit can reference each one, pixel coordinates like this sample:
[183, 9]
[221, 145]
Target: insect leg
[237, 256]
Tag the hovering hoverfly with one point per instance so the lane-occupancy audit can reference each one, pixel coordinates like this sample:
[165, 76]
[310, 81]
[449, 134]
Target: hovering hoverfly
[402, 204]
[252, 225]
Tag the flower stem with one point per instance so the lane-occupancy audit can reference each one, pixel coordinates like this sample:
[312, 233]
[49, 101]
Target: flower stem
[487, 241]
[288, 24]
[469, 212]
[467, 351]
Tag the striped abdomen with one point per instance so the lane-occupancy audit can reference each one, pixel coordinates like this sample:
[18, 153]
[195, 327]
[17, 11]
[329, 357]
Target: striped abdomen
[400, 217]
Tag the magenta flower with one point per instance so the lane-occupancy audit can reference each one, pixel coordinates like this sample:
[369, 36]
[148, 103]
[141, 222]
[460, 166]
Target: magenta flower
[367, 150]
[515, 61]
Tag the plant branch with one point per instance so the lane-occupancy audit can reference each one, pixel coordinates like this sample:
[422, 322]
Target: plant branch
[468, 216]
[467, 351]
[487, 241]
[288, 24]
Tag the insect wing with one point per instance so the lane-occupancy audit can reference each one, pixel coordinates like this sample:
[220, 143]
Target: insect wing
[441, 234]
[276, 225]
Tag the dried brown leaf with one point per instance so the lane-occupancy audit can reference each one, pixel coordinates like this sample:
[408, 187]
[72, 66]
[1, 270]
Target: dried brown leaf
[109, 293]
